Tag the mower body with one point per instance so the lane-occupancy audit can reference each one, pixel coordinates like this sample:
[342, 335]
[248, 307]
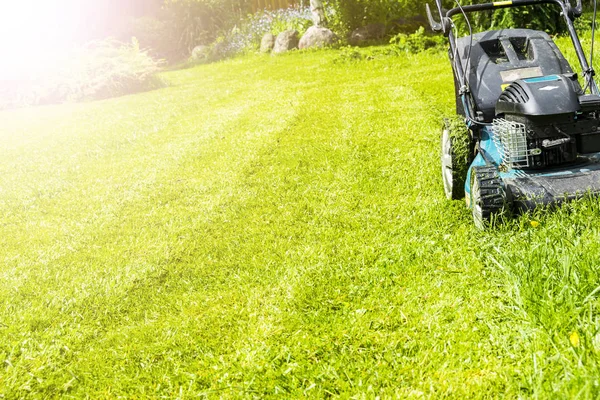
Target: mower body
[519, 78]
[534, 132]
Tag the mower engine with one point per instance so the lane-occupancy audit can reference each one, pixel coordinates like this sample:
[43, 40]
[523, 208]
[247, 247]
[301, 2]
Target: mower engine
[545, 121]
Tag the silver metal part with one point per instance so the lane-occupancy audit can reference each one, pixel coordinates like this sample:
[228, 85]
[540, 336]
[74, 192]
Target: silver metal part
[447, 163]
[553, 143]
[511, 140]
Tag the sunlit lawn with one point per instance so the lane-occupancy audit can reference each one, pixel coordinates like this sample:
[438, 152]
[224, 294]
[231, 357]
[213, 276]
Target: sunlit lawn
[276, 226]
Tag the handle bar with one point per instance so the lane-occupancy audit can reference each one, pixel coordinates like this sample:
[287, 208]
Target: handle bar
[443, 26]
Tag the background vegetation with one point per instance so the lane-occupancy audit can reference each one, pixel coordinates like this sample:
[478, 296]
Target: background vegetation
[166, 31]
[183, 24]
[346, 16]
[541, 17]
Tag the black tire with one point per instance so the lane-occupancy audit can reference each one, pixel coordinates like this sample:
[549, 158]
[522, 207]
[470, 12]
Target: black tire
[488, 197]
[456, 145]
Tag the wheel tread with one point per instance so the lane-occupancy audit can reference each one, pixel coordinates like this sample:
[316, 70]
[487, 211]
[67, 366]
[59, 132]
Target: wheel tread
[491, 192]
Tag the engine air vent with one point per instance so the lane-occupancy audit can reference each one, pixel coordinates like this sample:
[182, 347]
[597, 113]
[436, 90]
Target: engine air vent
[514, 94]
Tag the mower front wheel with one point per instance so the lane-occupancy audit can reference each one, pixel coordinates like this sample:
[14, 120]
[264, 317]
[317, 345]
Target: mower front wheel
[488, 197]
[456, 157]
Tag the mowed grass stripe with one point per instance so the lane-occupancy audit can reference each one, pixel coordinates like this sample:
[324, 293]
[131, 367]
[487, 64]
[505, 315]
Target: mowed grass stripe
[135, 234]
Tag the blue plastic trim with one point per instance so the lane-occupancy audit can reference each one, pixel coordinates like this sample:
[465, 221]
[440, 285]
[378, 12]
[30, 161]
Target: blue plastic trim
[547, 78]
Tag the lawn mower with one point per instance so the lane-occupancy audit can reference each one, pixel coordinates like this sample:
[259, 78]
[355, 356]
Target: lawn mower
[526, 132]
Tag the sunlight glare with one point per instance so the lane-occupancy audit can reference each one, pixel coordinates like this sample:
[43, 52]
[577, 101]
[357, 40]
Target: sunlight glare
[35, 35]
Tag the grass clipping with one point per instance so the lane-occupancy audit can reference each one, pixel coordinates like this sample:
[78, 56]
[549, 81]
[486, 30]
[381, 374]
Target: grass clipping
[461, 146]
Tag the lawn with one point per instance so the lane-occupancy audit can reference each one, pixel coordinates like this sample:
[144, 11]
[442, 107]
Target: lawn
[276, 227]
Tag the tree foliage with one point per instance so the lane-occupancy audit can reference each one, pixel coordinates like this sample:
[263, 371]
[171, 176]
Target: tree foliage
[346, 15]
[180, 25]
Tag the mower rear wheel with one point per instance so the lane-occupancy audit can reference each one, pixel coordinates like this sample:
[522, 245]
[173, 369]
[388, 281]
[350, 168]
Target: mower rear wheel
[488, 197]
[455, 157]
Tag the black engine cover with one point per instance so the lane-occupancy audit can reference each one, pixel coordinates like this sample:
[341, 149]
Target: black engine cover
[553, 95]
[559, 121]
[493, 59]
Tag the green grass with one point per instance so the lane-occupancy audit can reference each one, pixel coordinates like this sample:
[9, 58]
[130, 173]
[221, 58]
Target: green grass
[276, 227]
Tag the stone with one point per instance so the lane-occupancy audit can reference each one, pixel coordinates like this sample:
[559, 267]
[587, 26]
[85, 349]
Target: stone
[286, 41]
[267, 43]
[317, 37]
[200, 53]
[367, 33]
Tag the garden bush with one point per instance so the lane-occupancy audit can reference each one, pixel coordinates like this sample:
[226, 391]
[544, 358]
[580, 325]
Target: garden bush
[181, 25]
[417, 42]
[346, 15]
[110, 68]
[154, 33]
[100, 70]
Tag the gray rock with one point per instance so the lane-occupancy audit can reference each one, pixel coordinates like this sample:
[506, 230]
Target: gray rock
[286, 41]
[366, 33]
[267, 43]
[200, 53]
[317, 37]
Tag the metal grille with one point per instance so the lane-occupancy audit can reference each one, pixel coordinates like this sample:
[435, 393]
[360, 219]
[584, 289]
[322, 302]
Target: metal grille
[511, 141]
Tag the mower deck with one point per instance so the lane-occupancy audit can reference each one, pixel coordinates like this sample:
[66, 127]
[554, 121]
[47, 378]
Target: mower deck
[527, 190]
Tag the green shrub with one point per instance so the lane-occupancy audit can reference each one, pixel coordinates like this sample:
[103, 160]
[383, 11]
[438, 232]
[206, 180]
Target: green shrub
[346, 15]
[109, 68]
[180, 25]
[100, 70]
[417, 42]
[296, 19]
[155, 34]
